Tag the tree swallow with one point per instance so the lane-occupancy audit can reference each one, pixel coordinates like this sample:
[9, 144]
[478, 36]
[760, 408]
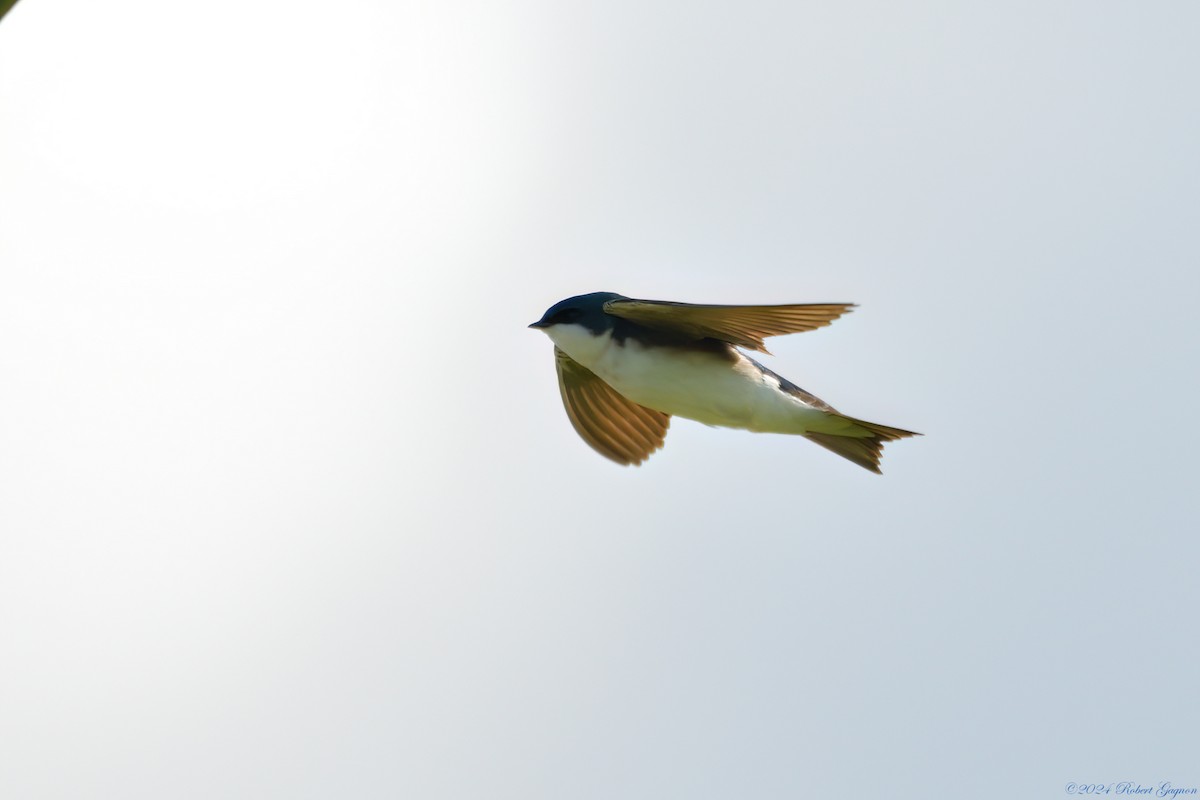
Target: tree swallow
[626, 366]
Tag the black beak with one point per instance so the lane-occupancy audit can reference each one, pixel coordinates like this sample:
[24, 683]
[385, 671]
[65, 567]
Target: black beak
[541, 323]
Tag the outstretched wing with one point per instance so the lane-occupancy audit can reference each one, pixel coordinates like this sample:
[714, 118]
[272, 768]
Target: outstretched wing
[744, 326]
[614, 426]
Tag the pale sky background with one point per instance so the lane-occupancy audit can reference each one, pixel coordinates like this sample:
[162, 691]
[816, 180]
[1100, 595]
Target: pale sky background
[289, 507]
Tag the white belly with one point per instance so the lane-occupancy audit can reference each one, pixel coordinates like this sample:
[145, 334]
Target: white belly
[703, 386]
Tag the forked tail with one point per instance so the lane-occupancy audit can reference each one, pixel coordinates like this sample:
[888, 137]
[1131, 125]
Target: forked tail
[857, 440]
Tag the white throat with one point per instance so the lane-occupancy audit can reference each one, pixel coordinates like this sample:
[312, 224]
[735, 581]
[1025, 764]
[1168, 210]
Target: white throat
[580, 343]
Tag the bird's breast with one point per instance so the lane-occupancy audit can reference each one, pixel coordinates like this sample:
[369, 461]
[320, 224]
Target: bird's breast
[716, 386]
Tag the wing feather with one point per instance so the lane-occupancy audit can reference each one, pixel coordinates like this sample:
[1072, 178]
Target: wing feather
[744, 326]
[612, 425]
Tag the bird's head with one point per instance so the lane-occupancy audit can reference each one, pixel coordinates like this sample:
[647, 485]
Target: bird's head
[585, 311]
[578, 325]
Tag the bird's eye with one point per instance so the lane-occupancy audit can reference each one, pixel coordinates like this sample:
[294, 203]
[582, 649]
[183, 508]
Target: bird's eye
[568, 314]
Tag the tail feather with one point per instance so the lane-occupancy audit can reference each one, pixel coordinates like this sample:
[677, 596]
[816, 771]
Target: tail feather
[861, 443]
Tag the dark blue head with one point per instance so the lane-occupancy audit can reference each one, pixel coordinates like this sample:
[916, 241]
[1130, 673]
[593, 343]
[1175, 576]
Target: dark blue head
[586, 310]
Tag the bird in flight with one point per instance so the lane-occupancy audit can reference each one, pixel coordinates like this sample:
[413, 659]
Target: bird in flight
[626, 366]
